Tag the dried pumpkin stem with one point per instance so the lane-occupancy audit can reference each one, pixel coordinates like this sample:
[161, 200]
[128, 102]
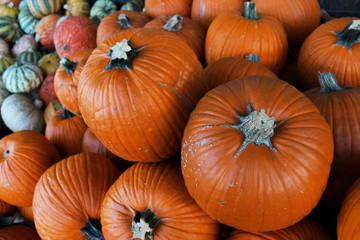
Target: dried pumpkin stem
[124, 21]
[66, 114]
[68, 65]
[253, 57]
[174, 23]
[121, 55]
[328, 82]
[143, 225]
[92, 230]
[250, 11]
[349, 35]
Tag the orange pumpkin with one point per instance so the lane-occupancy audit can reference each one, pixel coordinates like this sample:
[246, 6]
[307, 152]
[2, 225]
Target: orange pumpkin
[18, 232]
[155, 8]
[47, 92]
[45, 30]
[28, 214]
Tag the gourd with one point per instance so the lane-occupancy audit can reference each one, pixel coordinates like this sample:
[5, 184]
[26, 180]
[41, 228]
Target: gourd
[50, 110]
[10, 30]
[29, 56]
[5, 63]
[79, 8]
[26, 42]
[9, 9]
[47, 92]
[42, 8]
[4, 48]
[3, 92]
[49, 63]
[45, 30]
[101, 9]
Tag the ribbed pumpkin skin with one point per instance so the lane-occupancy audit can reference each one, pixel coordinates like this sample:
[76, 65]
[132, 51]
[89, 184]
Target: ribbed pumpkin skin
[30, 155]
[109, 26]
[348, 222]
[10, 30]
[155, 8]
[166, 77]
[27, 21]
[191, 32]
[29, 56]
[319, 53]
[205, 11]
[299, 17]
[66, 134]
[49, 63]
[5, 62]
[159, 187]
[42, 8]
[306, 229]
[71, 192]
[229, 68]
[25, 43]
[18, 232]
[47, 92]
[45, 30]
[66, 84]
[265, 37]
[256, 189]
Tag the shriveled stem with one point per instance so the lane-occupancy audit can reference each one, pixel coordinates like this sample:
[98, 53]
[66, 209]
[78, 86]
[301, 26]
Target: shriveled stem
[143, 225]
[328, 82]
[174, 23]
[124, 21]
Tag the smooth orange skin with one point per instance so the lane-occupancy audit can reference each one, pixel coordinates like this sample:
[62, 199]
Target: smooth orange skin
[159, 187]
[18, 232]
[155, 8]
[232, 35]
[257, 189]
[71, 192]
[30, 155]
[46, 29]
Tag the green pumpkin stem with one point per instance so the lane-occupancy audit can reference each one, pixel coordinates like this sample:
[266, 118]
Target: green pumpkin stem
[66, 114]
[328, 82]
[143, 225]
[124, 21]
[121, 55]
[250, 11]
[174, 23]
[68, 65]
[92, 230]
[349, 35]
[253, 57]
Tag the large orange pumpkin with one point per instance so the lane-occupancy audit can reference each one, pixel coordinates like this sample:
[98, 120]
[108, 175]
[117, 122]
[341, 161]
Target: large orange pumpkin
[256, 154]
[137, 91]
[68, 197]
[25, 157]
[28, 214]
[18, 232]
[150, 201]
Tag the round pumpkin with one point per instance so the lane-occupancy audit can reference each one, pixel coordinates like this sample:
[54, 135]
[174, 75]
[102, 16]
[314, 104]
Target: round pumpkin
[261, 35]
[47, 92]
[68, 197]
[10, 30]
[73, 34]
[9, 9]
[67, 79]
[49, 63]
[27, 154]
[5, 63]
[161, 208]
[50, 110]
[80, 8]
[45, 30]
[29, 56]
[42, 8]
[28, 214]
[26, 20]
[277, 165]
[142, 117]
[18, 232]
[25, 43]
[101, 9]
[155, 8]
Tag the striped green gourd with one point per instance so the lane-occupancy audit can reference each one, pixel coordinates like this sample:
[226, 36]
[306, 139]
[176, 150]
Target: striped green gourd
[10, 30]
[22, 78]
[49, 63]
[29, 56]
[134, 5]
[42, 8]
[27, 21]
[5, 62]
[101, 9]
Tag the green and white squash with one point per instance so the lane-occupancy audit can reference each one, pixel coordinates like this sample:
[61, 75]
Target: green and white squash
[101, 9]
[27, 21]
[29, 56]
[134, 5]
[10, 30]
[5, 62]
[49, 63]
[3, 92]
[22, 78]
[42, 8]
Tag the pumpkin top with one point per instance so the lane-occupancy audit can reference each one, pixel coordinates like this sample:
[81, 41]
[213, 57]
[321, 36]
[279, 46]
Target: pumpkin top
[174, 23]
[328, 82]
[253, 57]
[68, 65]
[250, 11]
[121, 55]
[349, 35]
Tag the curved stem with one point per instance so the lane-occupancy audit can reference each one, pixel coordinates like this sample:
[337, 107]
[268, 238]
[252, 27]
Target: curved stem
[92, 230]
[174, 23]
[328, 82]
[349, 35]
[124, 21]
[121, 55]
[66, 114]
[143, 225]
[68, 65]
[253, 57]
[250, 11]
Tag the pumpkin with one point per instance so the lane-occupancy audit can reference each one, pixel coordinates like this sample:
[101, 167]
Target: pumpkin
[4, 48]
[5, 208]
[45, 30]
[155, 8]
[289, 73]
[61, 19]
[10, 30]
[79, 8]
[159, 73]
[332, 47]
[47, 92]
[49, 63]
[5, 62]
[187, 29]
[42, 8]
[6, 214]
[22, 78]
[9, 9]
[229, 68]
[50, 110]
[17, 160]
[348, 226]
[133, 5]
[119, 21]
[160, 208]
[20, 112]
[3, 92]
[299, 17]
[74, 33]
[67, 79]
[101, 9]
[68, 197]
[261, 35]
[18, 232]
[29, 56]
[16, 2]
[66, 131]
[277, 165]
[25, 43]
[205, 11]
[27, 21]
[28, 214]
[306, 229]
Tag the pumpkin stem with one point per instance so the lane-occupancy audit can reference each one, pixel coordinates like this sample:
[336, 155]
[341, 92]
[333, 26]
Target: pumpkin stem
[121, 55]
[325, 15]
[174, 23]
[6, 153]
[124, 21]
[66, 114]
[349, 35]
[92, 230]
[250, 11]
[328, 82]
[143, 225]
[257, 128]
[253, 57]
[68, 65]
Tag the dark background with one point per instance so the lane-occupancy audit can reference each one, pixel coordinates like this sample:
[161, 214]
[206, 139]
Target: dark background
[341, 8]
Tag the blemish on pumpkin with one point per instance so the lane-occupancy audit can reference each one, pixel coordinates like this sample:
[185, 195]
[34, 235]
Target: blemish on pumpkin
[222, 202]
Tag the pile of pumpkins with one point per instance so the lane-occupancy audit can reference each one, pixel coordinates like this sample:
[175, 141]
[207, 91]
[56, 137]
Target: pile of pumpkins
[174, 119]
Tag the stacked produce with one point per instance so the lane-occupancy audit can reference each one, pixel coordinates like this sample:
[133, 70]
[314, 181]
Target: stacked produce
[145, 119]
